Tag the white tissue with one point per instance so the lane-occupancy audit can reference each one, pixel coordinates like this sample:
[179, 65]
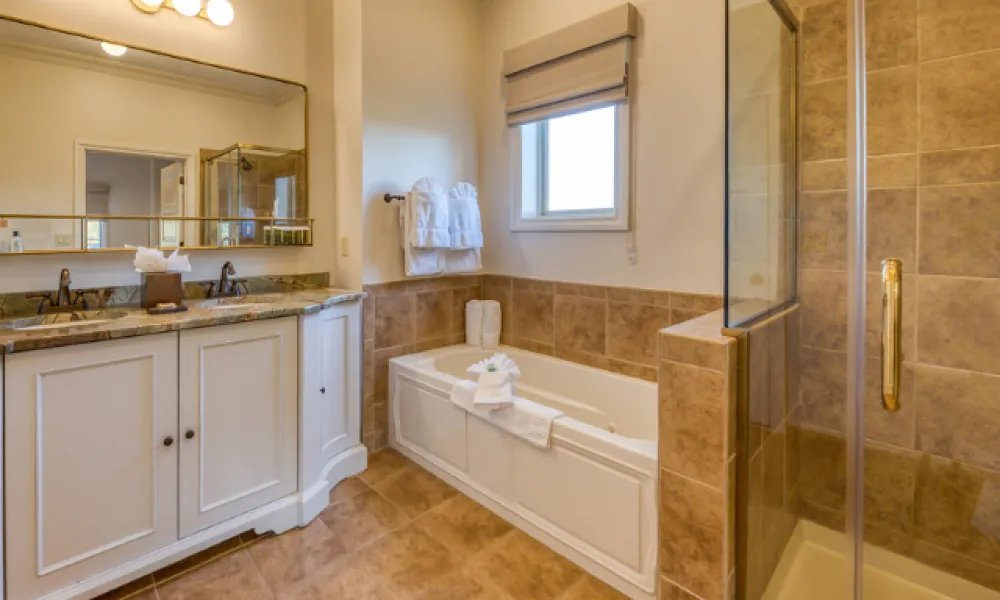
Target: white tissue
[150, 260]
[498, 363]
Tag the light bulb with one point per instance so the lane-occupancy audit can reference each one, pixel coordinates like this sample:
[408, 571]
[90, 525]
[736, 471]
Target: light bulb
[152, 3]
[220, 12]
[188, 8]
[113, 49]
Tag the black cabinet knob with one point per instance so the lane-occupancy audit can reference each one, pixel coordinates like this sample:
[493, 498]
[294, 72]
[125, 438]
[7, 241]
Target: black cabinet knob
[169, 441]
[189, 434]
[322, 390]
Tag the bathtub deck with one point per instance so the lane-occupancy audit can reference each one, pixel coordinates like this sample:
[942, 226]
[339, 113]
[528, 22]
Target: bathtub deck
[395, 532]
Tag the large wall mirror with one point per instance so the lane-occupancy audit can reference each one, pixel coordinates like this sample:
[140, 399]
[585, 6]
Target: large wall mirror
[106, 147]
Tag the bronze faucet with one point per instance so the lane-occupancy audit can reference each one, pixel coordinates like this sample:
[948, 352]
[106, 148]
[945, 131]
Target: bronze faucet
[62, 302]
[227, 287]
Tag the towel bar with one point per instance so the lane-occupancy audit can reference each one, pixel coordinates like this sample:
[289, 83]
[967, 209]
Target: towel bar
[390, 197]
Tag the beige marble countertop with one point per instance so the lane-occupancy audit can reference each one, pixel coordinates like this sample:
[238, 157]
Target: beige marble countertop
[136, 321]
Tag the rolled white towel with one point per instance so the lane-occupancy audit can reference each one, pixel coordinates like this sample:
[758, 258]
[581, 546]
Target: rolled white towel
[492, 324]
[474, 323]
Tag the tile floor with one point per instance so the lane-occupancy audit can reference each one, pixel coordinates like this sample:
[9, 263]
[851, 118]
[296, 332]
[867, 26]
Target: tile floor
[395, 532]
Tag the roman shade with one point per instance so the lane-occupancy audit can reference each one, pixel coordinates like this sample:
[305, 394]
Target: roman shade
[577, 68]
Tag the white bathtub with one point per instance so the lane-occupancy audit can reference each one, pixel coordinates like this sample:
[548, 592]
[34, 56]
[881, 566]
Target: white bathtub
[590, 497]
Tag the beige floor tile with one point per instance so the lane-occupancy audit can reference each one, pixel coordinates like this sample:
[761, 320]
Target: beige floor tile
[383, 466]
[348, 578]
[348, 488]
[408, 561]
[463, 584]
[525, 569]
[363, 519]
[463, 525]
[131, 590]
[286, 559]
[591, 588]
[232, 577]
[196, 560]
[416, 491]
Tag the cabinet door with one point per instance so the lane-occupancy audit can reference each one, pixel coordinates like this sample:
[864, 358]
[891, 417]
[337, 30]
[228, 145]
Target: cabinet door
[89, 482]
[239, 397]
[338, 367]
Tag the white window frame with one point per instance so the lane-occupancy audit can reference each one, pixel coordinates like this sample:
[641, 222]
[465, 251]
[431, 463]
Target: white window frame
[527, 179]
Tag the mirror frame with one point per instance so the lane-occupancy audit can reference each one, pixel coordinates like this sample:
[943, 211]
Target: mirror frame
[83, 219]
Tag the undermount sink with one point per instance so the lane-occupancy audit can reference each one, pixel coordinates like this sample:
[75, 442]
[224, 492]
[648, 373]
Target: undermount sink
[240, 303]
[65, 320]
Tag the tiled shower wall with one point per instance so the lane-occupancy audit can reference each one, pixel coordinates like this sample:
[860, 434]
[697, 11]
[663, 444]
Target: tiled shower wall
[609, 328]
[934, 139]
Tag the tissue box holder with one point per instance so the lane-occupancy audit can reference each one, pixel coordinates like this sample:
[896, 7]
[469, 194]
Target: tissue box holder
[161, 288]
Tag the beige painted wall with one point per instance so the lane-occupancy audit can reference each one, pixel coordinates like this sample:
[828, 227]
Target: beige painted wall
[678, 150]
[420, 87]
[266, 37]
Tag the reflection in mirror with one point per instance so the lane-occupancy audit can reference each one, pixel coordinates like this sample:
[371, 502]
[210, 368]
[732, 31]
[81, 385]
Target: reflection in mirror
[142, 134]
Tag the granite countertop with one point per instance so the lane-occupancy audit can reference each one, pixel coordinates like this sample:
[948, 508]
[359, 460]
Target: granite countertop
[125, 322]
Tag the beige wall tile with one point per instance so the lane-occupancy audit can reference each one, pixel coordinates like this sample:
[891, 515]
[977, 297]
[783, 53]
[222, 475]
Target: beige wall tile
[956, 509]
[393, 320]
[824, 309]
[892, 33]
[823, 230]
[824, 470]
[824, 42]
[778, 401]
[382, 358]
[583, 290]
[633, 331]
[368, 381]
[976, 165]
[581, 323]
[670, 591]
[952, 27]
[873, 314]
[824, 120]
[824, 388]
[693, 405]
[533, 315]
[958, 564]
[639, 296]
[890, 480]
[896, 428]
[700, 353]
[368, 318]
[704, 303]
[892, 226]
[824, 175]
[692, 527]
[958, 107]
[680, 316]
[958, 415]
[959, 321]
[892, 111]
[958, 230]
[433, 315]
[521, 284]
[533, 346]
[892, 171]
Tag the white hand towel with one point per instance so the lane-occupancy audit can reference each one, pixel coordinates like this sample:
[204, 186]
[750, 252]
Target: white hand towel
[474, 323]
[463, 261]
[492, 324]
[525, 419]
[429, 223]
[418, 261]
[465, 223]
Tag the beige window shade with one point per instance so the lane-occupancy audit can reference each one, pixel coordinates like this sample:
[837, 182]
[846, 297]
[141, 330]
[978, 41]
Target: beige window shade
[577, 68]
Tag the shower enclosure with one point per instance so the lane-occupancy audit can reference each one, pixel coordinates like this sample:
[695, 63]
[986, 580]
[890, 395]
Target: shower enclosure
[863, 271]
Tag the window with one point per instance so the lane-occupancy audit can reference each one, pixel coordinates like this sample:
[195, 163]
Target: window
[96, 234]
[573, 173]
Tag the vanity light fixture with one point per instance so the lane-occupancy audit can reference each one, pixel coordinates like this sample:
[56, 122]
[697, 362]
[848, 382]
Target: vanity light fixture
[113, 49]
[219, 12]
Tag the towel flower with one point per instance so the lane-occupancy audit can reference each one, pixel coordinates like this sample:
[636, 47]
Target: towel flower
[498, 363]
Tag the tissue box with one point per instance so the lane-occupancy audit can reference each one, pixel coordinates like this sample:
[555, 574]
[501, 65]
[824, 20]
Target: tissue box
[161, 288]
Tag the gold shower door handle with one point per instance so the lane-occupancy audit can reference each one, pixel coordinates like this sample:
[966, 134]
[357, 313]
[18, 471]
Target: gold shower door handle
[892, 332]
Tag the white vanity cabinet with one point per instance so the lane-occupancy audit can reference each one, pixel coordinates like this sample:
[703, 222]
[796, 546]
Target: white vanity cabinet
[238, 417]
[121, 457]
[90, 459]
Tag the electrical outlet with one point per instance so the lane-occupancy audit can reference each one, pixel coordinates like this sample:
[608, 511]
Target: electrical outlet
[64, 239]
[345, 246]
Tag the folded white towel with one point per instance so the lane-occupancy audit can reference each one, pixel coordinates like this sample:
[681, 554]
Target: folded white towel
[525, 419]
[494, 390]
[419, 261]
[429, 223]
[474, 323]
[463, 261]
[465, 223]
[492, 324]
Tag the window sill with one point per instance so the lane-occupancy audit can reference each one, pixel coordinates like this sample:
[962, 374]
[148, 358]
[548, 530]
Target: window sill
[569, 224]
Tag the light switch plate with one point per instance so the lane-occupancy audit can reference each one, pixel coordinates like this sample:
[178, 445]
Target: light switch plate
[64, 239]
[345, 246]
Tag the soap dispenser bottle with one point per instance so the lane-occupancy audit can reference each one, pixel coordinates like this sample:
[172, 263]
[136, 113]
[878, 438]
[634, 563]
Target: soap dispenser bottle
[16, 244]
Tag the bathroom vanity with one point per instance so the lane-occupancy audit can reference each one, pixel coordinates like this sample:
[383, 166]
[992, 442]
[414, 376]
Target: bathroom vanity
[172, 433]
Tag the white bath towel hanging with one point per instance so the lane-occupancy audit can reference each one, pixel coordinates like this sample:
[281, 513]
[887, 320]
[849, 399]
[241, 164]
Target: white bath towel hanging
[418, 261]
[465, 228]
[428, 208]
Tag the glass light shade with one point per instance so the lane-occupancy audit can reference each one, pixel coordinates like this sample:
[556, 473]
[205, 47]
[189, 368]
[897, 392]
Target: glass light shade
[152, 3]
[113, 49]
[220, 12]
[188, 8]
